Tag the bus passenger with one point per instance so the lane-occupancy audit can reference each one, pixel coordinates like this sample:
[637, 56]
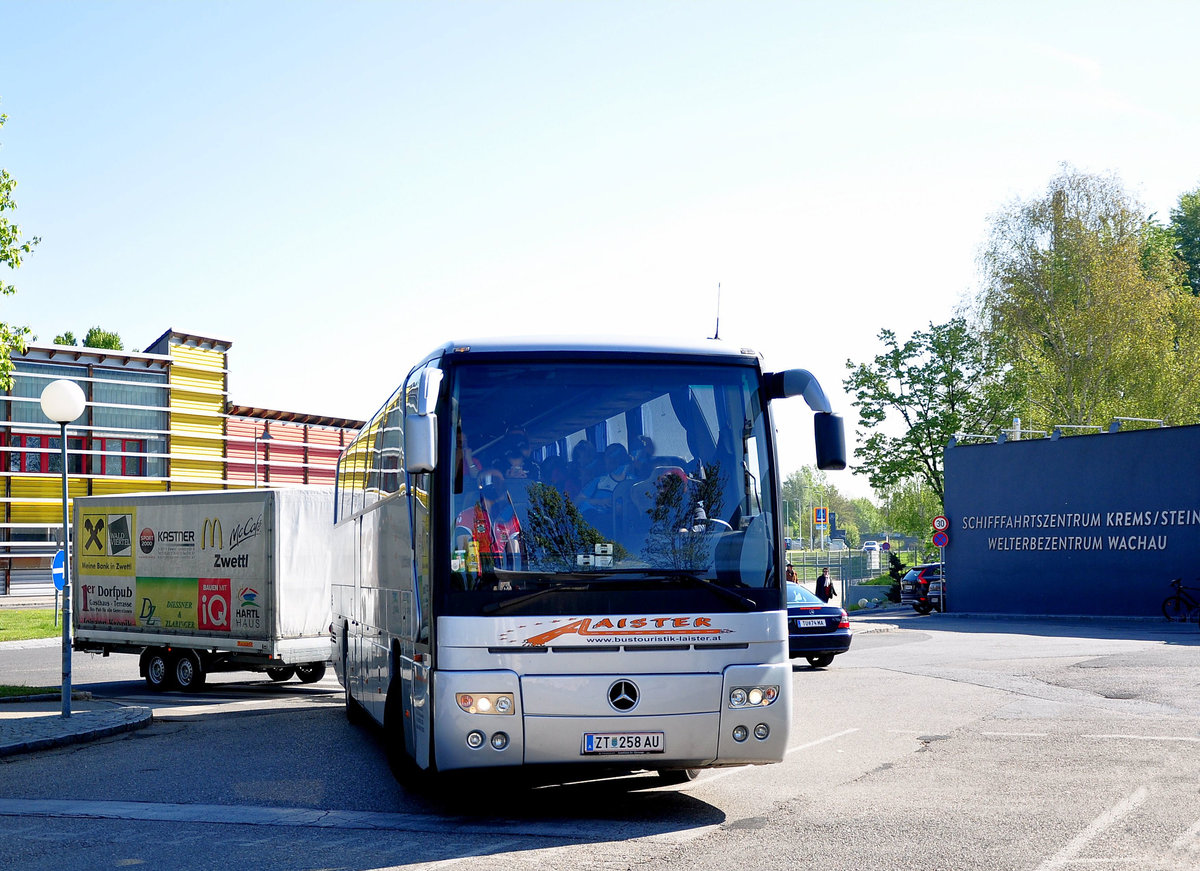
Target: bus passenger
[491, 525]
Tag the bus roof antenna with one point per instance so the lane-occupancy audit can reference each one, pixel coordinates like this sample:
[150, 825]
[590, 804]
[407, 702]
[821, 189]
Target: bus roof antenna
[717, 332]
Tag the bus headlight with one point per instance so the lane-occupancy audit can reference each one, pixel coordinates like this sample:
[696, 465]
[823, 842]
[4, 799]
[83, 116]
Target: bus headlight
[475, 739]
[486, 703]
[753, 697]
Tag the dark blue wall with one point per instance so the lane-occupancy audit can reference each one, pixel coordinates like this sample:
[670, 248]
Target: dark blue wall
[1095, 524]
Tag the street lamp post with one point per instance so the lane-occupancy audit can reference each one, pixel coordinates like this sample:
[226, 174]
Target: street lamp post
[63, 401]
[265, 437]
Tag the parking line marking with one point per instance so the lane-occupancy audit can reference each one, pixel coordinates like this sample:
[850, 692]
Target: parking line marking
[1182, 738]
[1109, 818]
[709, 778]
[1017, 734]
[827, 738]
[1189, 840]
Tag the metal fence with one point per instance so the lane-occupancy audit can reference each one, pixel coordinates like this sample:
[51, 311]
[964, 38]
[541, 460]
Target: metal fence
[845, 565]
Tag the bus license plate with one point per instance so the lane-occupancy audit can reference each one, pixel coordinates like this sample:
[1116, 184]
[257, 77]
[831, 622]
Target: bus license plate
[811, 623]
[600, 743]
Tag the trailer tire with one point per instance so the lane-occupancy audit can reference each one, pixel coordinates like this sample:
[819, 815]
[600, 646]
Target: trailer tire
[281, 674]
[310, 672]
[156, 666]
[187, 671]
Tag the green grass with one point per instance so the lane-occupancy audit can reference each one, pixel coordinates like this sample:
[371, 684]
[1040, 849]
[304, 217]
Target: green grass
[25, 624]
[881, 581]
[9, 691]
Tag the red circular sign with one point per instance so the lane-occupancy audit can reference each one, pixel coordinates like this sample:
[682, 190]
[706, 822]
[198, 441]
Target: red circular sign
[940, 523]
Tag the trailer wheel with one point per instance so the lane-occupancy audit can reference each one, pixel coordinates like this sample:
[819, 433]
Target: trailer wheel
[310, 672]
[281, 674]
[187, 670]
[156, 667]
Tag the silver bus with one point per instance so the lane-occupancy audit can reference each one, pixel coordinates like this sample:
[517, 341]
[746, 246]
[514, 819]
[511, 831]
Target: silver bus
[569, 553]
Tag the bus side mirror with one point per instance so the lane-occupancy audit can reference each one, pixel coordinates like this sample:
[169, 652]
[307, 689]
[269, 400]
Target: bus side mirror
[428, 388]
[796, 382]
[420, 443]
[830, 438]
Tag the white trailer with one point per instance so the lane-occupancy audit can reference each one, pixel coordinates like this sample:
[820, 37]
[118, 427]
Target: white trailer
[199, 582]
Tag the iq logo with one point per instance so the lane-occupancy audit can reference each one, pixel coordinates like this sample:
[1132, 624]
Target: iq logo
[215, 603]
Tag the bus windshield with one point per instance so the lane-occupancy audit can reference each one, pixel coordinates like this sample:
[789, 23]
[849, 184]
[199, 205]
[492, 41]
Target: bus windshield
[570, 477]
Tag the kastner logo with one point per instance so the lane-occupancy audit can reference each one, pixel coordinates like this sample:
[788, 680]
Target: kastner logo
[212, 536]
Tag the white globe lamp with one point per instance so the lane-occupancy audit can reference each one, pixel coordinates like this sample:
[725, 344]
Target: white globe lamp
[63, 401]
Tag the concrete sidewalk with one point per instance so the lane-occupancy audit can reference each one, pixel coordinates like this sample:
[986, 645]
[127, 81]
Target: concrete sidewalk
[29, 723]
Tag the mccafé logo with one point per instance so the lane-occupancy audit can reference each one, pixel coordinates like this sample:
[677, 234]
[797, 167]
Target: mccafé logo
[625, 630]
[212, 536]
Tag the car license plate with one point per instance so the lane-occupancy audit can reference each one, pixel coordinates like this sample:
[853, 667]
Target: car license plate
[601, 743]
[810, 623]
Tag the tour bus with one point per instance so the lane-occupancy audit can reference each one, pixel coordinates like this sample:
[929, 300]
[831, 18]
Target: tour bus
[560, 552]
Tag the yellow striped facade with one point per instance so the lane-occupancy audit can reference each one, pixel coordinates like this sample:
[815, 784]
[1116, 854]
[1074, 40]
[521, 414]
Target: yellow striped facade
[156, 420]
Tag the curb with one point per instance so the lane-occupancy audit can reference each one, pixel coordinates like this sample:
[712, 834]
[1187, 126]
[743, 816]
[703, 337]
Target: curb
[76, 696]
[30, 734]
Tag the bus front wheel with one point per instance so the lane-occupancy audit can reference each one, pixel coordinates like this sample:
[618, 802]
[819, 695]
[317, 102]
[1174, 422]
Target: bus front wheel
[404, 769]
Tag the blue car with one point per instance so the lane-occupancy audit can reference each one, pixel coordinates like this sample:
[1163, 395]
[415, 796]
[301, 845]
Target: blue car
[816, 630]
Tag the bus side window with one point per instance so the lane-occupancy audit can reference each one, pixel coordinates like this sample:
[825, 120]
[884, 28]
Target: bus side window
[391, 448]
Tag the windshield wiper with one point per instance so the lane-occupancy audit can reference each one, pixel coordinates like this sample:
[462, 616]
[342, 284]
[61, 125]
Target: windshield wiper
[500, 607]
[746, 602]
[660, 577]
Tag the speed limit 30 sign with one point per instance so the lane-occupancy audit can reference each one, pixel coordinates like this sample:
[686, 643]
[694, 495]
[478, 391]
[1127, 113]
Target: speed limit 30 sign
[940, 523]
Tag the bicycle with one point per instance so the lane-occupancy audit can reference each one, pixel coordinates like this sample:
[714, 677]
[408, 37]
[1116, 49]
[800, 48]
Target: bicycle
[1182, 606]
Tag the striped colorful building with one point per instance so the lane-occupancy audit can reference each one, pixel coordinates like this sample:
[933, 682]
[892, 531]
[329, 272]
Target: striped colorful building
[156, 420]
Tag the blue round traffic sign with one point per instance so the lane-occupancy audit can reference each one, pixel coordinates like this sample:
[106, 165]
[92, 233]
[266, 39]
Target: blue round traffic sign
[58, 569]
[940, 539]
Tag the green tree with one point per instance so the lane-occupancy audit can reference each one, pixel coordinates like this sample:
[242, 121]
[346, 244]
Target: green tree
[1185, 228]
[914, 396]
[910, 506]
[100, 338]
[1089, 308]
[96, 337]
[12, 250]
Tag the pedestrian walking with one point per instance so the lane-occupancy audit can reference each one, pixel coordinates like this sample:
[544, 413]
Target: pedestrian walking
[825, 590]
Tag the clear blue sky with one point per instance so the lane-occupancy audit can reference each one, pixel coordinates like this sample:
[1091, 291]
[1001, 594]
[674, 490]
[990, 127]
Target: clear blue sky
[337, 188]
